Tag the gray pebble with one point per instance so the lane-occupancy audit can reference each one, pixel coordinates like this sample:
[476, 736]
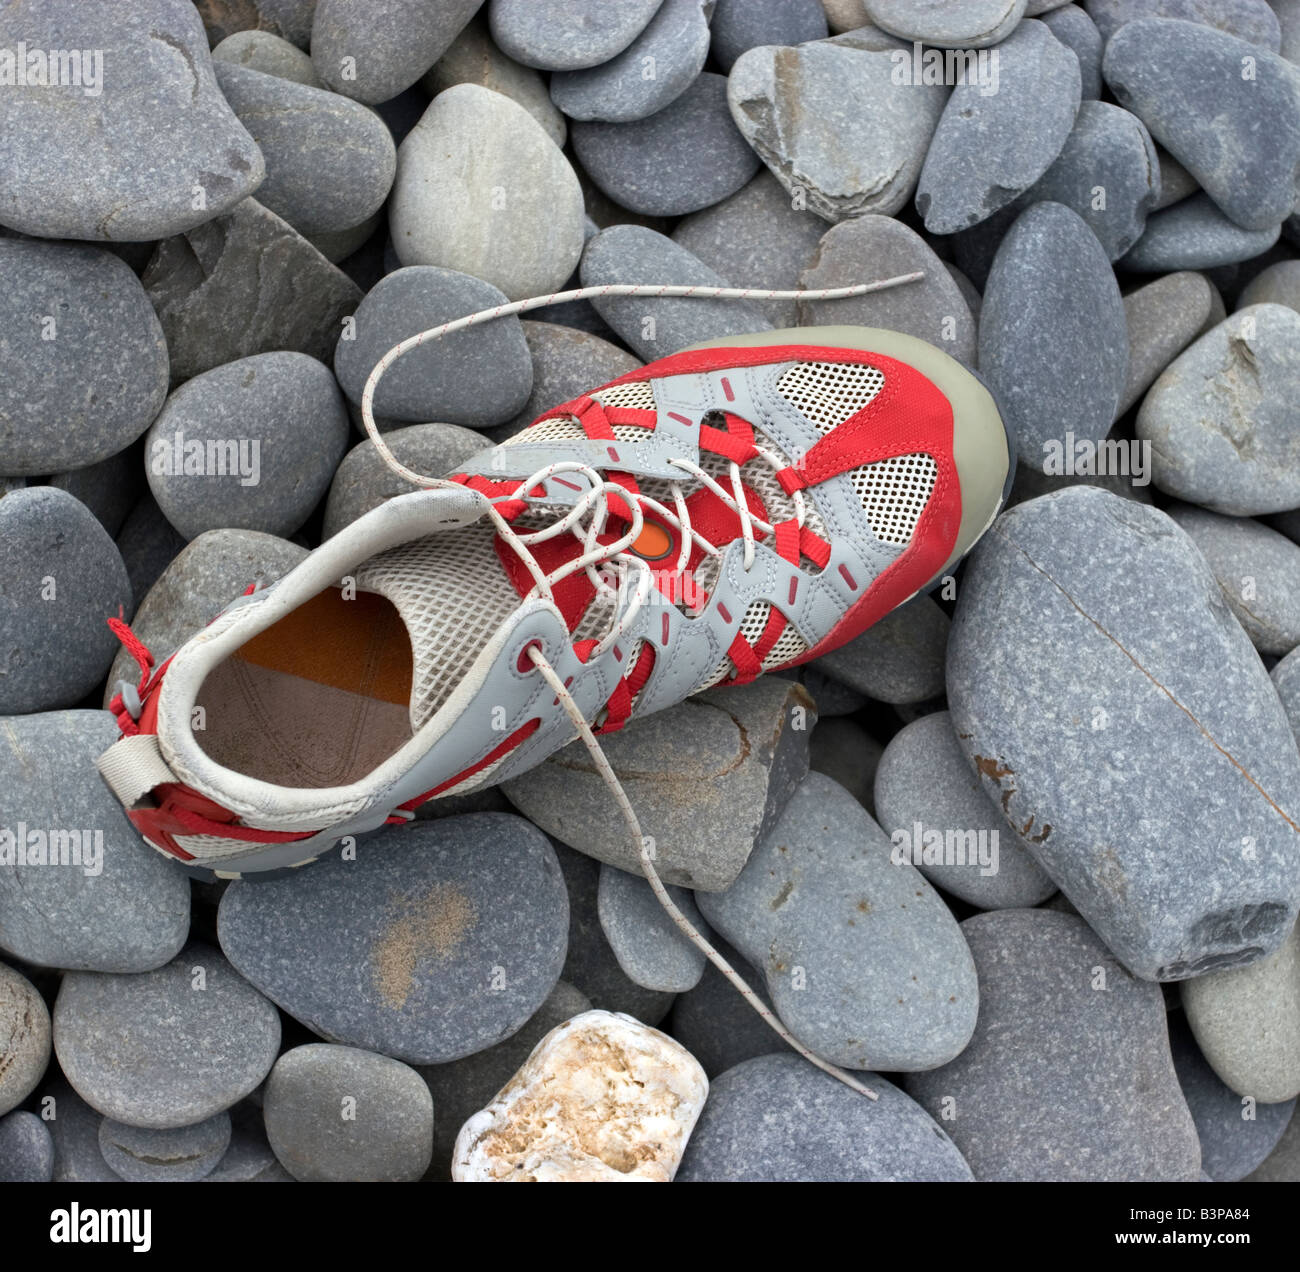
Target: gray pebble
[289, 19]
[74, 1128]
[1250, 20]
[1282, 1165]
[645, 939]
[741, 25]
[957, 24]
[269, 53]
[1286, 680]
[899, 659]
[24, 1038]
[1176, 183]
[1194, 234]
[1279, 284]
[846, 752]
[110, 488]
[1162, 318]
[181, 1155]
[344, 1115]
[430, 945]
[478, 377]
[250, 1158]
[685, 157]
[26, 1150]
[831, 697]
[567, 35]
[1076, 30]
[165, 1048]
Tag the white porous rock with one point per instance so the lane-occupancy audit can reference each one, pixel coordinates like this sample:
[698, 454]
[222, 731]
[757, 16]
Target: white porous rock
[602, 1098]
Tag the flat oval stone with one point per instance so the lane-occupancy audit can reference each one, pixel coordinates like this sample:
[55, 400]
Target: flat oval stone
[24, 1038]
[1237, 134]
[1222, 418]
[707, 777]
[269, 53]
[1053, 342]
[777, 1119]
[951, 24]
[1076, 30]
[1111, 721]
[427, 947]
[141, 144]
[897, 660]
[1069, 1075]
[1279, 284]
[925, 787]
[85, 358]
[26, 1150]
[174, 1156]
[991, 146]
[388, 1138]
[476, 160]
[165, 1048]
[1250, 20]
[1258, 570]
[329, 161]
[63, 580]
[112, 904]
[832, 124]
[1162, 318]
[567, 35]
[654, 328]
[251, 445]
[741, 25]
[685, 157]
[866, 247]
[477, 377]
[372, 52]
[646, 941]
[757, 238]
[1247, 1023]
[652, 72]
[1194, 234]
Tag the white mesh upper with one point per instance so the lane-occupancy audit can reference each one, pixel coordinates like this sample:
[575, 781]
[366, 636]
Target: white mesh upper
[894, 493]
[827, 393]
[636, 395]
[565, 428]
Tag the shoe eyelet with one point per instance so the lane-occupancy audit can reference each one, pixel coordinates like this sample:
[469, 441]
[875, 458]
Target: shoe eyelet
[524, 664]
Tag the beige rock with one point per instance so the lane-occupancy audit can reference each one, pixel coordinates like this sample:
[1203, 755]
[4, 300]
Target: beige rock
[602, 1098]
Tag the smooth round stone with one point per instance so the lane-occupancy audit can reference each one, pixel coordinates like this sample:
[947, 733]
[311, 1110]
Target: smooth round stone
[1076, 30]
[899, 659]
[85, 357]
[1249, 20]
[363, 481]
[567, 35]
[1053, 344]
[925, 787]
[473, 58]
[777, 1119]
[110, 488]
[652, 72]
[289, 19]
[1247, 1023]
[182, 1155]
[756, 238]
[148, 147]
[372, 52]
[482, 189]
[269, 53]
[847, 753]
[654, 328]
[196, 586]
[590, 965]
[344, 1115]
[991, 146]
[461, 1088]
[165, 1048]
[251, 445]
[741, 25]
[429, 946]
[117, 905]
[708, 778]
[26, 1150]
[478, 377]
[1279, 284]
[1236, 1134]
[1176, 76]
[1258, 570]
[685, 157]
[645, 939]
[867, 247]
[63, 579]
[74, 1128]
[833, 125]
[566, 362]
[24, 1038]
[1125, 711]
[864, 962]
[948, 24]
[1069, 1075]
[329, 161]
[1222, 418]
[1162, 318]
[1194, 234]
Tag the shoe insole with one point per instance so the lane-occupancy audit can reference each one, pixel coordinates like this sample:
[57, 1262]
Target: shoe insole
[320, 698]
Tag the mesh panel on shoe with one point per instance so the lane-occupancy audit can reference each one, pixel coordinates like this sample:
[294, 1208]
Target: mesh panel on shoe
[894, 493]
[637, 395]
[829, 392]
[565, 428]
[788, 645]
[451, 605]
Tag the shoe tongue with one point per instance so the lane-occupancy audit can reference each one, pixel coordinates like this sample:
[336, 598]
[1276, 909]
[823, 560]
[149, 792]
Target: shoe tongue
[453, 596]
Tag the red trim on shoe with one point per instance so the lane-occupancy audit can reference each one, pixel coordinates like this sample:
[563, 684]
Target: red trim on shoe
[519, 735]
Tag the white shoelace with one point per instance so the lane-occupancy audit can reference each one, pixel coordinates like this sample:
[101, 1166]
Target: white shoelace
[594, 504]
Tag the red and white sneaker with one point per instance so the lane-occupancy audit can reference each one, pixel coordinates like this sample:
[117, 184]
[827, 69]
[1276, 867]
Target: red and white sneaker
[742, 506]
